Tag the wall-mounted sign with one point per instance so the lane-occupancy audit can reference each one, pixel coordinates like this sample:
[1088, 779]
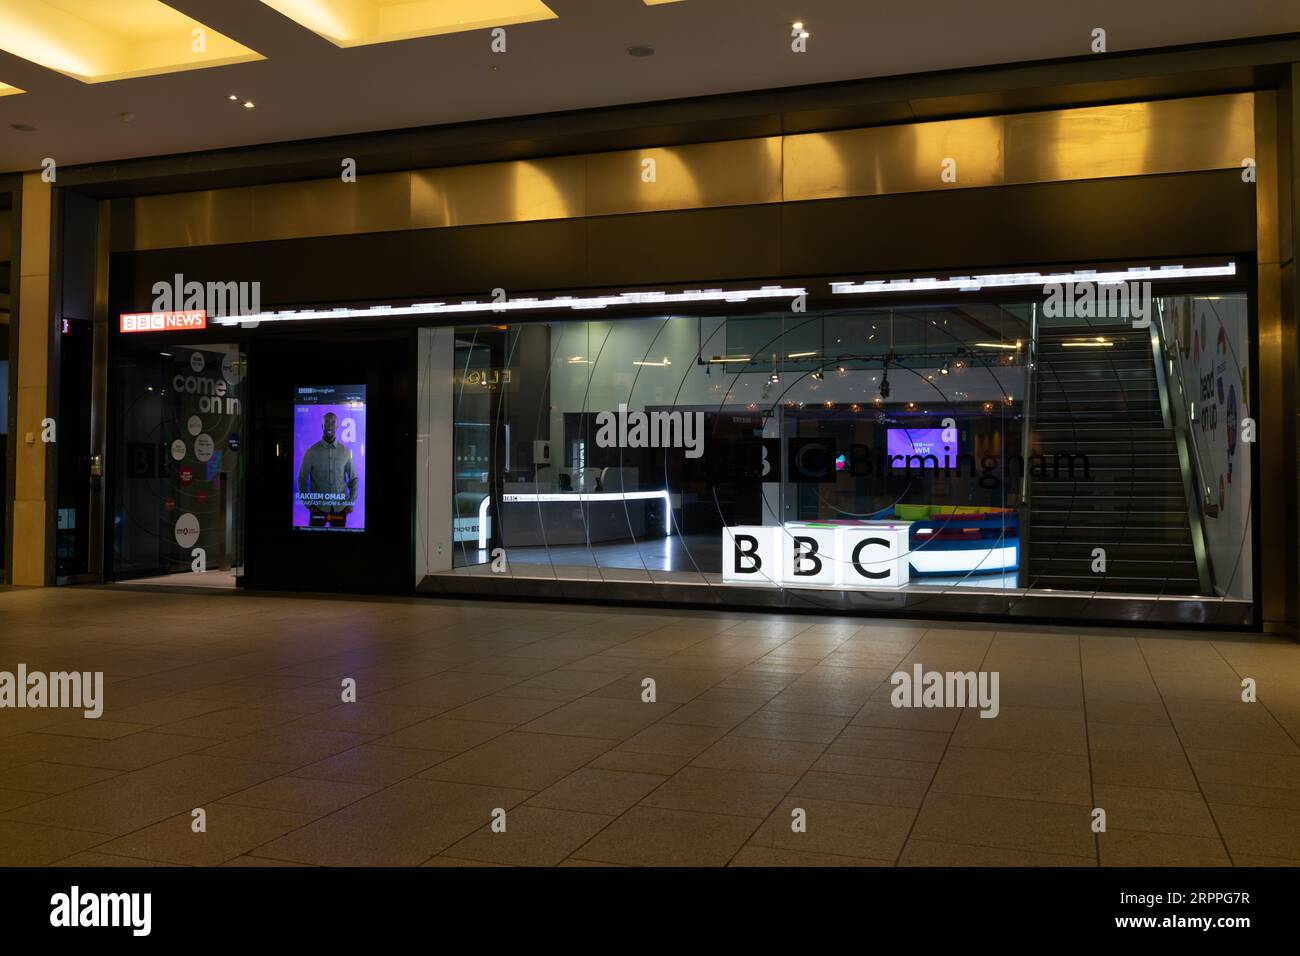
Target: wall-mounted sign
[163, 321]
[186, 475]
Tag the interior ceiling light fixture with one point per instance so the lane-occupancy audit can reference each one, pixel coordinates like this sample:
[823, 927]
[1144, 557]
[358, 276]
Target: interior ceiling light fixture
[348, 23]
[577, 303]
[97, 42]
[1040, 279]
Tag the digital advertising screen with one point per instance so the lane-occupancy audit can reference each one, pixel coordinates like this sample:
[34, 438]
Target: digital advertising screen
[919, 441]
[329, 458]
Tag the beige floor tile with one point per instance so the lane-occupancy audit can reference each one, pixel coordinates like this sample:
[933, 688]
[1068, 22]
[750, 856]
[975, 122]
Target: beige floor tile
[772, 857]
[763, 756]
[496, 709]
[48, 778]
[920, 770]
[859, 741]
[737, 793]
[93, 858]
[714, 713]
[876, 713]
[784, 725]
[315, 798]
[443, 733]
[373, 765]
[1122, 768]
[534, 836]
[402, 825]
[133, 800]
[860, 788]
[592, 790]
[25, 844]
[685, 740]
[649, 836]
[848, 829]
[290, 744]
[1019, 775]
[1155, 811]
[933, 853]
[1246, 795]
[629, 762]
[231, 831]
[1250, 769]
[1133, 848]
[520, 760]
[1024, 728]
[599, 717]
[1061, 829]
[1259, 831]
[364, 718]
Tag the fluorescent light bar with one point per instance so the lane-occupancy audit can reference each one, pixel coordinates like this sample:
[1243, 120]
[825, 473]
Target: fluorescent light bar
[998, 345]
[623, 299]
[799, 355]
[1009, 279]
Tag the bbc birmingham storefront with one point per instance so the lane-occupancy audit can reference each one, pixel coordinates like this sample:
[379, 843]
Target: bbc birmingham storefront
[791, 383]
[935, 446]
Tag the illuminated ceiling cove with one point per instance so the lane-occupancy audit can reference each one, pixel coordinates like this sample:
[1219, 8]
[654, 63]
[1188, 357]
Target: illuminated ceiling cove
[347, 23]
[95, 41]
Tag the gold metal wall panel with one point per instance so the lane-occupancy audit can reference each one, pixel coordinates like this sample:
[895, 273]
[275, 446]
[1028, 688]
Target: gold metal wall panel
[331, 207]
[523, 191]
[1130, 139]
[738, 173]
[894, 159]
[211, 217]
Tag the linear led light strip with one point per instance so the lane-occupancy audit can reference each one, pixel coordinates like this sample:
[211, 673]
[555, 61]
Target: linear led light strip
[522, 305]
[1002, 280]
[486, 503]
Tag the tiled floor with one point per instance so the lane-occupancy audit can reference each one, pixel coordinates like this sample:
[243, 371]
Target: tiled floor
[231, 703]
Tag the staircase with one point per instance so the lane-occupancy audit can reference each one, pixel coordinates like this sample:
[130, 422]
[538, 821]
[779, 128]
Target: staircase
[1104, 402]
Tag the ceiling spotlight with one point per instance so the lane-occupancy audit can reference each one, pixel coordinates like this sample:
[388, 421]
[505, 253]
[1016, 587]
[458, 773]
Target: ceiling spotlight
[248, 104]
[830, 404]
[773, 379]
[233, 97]
[884, 386]
[943, 369]
[818, 376]
[841, 370]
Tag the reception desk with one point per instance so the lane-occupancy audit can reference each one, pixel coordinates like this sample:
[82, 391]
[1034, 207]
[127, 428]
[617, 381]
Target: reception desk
[555, 518]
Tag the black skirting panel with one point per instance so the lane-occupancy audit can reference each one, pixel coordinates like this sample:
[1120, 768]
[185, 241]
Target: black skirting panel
[1074, 610]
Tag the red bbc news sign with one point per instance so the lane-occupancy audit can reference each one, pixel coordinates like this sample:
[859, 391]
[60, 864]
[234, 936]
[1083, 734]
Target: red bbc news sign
[164, 321]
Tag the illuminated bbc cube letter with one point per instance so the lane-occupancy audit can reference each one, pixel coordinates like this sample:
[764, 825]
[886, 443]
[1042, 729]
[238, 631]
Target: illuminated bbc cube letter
[750, 555]
[873, 557]
[808, 556]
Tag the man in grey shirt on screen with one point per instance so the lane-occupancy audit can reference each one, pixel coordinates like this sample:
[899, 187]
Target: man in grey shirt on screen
[327, 479]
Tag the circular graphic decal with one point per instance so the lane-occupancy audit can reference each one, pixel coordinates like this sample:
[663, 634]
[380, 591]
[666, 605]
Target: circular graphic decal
[196, 361]
[230, 369]
[187, 530]
[195, 425]
[186, 475]
[178, 450]
[203, 447]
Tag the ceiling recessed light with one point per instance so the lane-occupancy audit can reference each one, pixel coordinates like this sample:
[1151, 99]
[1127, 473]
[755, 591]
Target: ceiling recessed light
[640, 50]
[249, 104]
[234, 97]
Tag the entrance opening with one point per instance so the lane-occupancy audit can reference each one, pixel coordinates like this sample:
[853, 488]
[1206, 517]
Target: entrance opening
[178, 478]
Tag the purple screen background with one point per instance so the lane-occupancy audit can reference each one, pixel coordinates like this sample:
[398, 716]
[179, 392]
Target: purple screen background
[918, 441]
[307, 431]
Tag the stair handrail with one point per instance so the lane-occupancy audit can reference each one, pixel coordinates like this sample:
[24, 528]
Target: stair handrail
[1031, 366]
[1169, 373]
